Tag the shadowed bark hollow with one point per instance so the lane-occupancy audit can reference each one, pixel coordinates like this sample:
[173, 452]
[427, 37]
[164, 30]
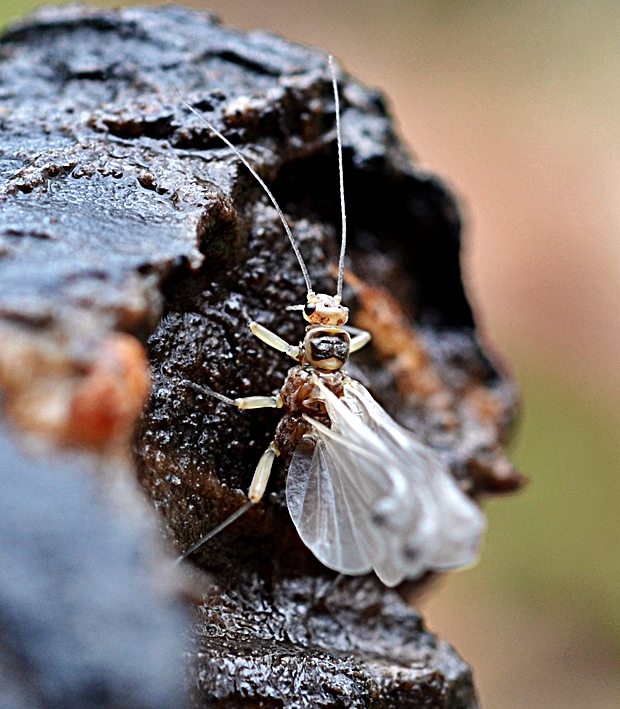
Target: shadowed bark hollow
[122, 215]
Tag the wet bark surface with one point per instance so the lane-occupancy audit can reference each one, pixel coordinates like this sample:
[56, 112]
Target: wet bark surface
[359, 646]
[123, 219]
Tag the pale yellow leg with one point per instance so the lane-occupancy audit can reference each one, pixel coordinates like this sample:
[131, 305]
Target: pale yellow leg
[263, 471]
[273, 340]
[360, 338]
[258, 402]
[256, 492]
[242, 402]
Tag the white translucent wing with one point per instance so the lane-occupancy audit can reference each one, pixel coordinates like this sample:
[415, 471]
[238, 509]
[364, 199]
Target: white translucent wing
[367, 494]
[314, 504]
[327, 519]
[460, 522]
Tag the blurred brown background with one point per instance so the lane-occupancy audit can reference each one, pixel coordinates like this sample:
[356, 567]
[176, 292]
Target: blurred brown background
[517, 106]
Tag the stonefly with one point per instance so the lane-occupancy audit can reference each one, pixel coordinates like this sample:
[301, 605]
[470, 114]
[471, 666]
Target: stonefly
[363, 492]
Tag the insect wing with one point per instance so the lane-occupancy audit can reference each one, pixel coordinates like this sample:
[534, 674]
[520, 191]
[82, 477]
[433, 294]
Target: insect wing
[367, 494]
[326, 516]
[460, 522]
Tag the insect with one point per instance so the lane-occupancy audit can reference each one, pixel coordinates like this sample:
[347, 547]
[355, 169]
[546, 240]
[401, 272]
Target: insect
[363, 492]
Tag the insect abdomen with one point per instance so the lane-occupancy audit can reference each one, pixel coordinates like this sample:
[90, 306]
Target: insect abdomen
[327, 348]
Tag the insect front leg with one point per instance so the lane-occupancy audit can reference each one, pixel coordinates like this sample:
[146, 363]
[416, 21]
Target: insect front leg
[255, 495]
[360, 338]
[273, 340]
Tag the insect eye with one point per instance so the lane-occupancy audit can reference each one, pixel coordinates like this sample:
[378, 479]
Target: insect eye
[309, 309]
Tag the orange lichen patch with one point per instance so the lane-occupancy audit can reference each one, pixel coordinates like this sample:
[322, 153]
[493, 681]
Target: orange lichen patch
[485, 410]
[395, 340]
[110, 396]
[35, 378]
[90, 403]
[489, 467]
[486, 403]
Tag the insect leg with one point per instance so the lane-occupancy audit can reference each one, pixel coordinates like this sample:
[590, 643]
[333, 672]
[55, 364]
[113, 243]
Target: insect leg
[216, 530]
[360, 338]
[258, 402]
[273, 340]
[242, 402]
[256, 492]
[331, 586]
[262, 473]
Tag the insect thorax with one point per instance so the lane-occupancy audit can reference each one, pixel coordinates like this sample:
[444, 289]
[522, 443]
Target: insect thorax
[326, 348]
[301, 395]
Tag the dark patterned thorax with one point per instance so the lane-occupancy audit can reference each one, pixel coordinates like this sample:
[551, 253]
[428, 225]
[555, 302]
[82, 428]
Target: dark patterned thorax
[326, 348]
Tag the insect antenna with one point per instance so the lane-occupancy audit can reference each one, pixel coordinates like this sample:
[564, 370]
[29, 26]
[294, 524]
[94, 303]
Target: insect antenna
[343, 243]
[261, 182]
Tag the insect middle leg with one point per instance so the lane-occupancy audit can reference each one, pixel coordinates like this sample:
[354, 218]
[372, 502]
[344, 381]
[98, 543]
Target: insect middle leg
[242, 402]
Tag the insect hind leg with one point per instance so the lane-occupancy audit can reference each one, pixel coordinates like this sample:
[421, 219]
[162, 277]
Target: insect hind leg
[255, 494]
